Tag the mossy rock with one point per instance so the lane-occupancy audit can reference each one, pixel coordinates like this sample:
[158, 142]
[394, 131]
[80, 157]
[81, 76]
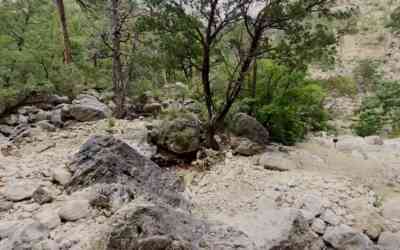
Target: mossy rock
[181, 135]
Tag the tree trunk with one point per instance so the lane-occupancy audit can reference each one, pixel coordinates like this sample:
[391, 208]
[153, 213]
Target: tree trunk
[210, 136]
[119, 85]
[254, 88]
[64, 29]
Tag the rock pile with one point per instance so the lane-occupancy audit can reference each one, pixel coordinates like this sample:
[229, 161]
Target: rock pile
[49, 113]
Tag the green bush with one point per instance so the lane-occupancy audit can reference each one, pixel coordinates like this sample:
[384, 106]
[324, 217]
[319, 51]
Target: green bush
[380, 110]
[287, 103]
[341, 85]
[367, 74]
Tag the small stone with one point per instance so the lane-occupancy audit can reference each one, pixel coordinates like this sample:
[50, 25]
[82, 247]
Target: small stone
[5, 206]
[19, 191]
[318, 226]
[49, 218]
[374, 140]
[42, 196]
[46, 245]
[46, 126]
[61, 176]
[330, 217]
[74, 210]
[312, 203]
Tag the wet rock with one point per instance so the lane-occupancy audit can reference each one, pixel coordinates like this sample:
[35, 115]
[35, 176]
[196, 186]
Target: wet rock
[88, 108]
[74, 210]
[389, 241]
[42, 196]
[179, 136]
[247, 126]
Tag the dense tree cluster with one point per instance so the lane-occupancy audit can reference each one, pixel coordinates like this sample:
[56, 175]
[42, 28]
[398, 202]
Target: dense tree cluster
[131, 46]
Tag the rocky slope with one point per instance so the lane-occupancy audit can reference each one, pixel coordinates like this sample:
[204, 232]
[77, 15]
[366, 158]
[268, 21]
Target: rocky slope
[312, 196]
[368, 39]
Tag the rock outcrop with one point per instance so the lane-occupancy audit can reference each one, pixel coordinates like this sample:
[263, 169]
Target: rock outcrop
[88, 108]
[180, 136]
[247, 126]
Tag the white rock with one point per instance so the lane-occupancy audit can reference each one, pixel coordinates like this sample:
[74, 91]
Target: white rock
[312, 203]
[19, 191]
[74, 210]
[389, 241]
[46, 245]
[318, 226]
[330, 217]
[61, 175]
[391, 209]
[277, 161]
[27, 233]
[49, 218]
[374, 140]
[345, 237]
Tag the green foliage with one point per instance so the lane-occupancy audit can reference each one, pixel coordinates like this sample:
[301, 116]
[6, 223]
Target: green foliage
[394, 22]
[287, 103]
[380, 110]
[367, 74]
[340, 85]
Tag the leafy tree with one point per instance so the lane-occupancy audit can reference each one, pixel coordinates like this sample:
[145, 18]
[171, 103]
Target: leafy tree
[286, 102]
[380, 109]
[211, 21]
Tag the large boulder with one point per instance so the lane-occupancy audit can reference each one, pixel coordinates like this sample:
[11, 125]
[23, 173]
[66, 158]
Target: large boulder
[247, 126]
[143, 225]
[288, 229]
[179, 136]
[18, 191]
[106, 160]
[343, 237]
[88, 108]
[74, 210]
[22, 235]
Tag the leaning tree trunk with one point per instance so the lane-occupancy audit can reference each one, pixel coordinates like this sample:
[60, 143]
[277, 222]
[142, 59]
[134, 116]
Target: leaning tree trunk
[64, 29]
[119, 85]
[254, 88]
